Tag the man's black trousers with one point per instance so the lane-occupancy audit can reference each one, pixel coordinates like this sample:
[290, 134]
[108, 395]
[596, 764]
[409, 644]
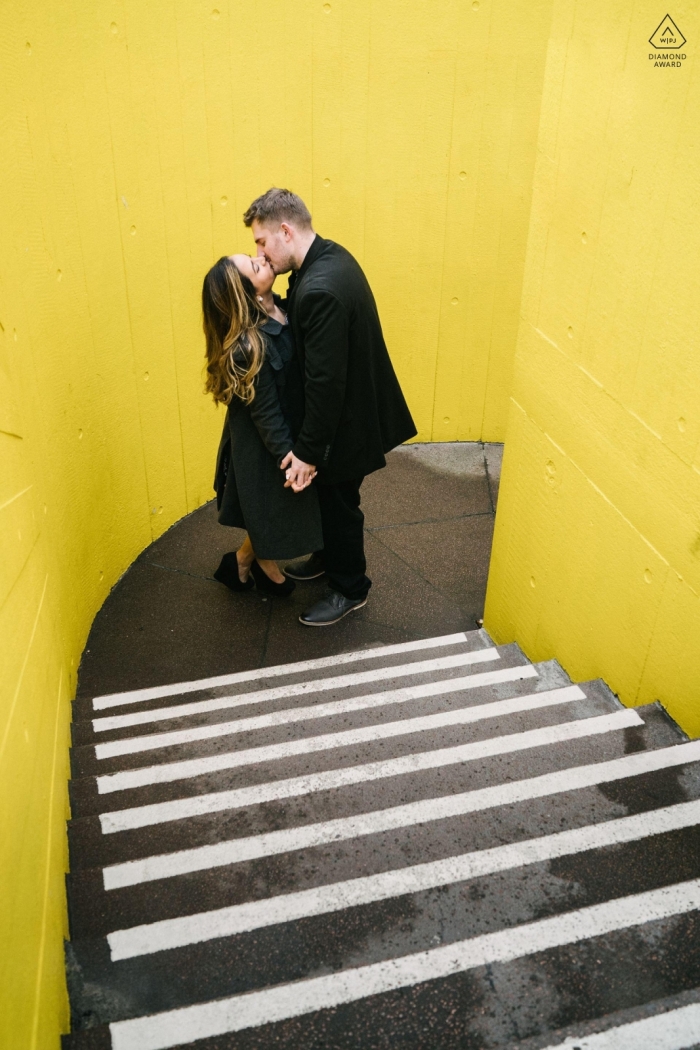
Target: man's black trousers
[343, 551]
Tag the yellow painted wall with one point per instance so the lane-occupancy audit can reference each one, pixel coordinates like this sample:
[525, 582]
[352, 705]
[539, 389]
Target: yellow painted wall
[596, 558]
[132, 137]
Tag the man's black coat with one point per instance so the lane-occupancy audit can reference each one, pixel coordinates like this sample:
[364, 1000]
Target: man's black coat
[355, 411]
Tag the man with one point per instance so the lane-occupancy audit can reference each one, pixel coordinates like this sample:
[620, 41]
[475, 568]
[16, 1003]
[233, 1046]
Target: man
[355, 411]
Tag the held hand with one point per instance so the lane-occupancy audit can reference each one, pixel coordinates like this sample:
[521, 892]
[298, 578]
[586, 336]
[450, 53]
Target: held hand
[299, 475]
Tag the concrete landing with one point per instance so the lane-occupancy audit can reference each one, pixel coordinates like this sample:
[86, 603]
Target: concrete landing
[429, 518]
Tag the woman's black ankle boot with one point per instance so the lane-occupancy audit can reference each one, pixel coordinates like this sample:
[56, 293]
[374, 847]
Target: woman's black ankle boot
[227, 573]
[264, 583]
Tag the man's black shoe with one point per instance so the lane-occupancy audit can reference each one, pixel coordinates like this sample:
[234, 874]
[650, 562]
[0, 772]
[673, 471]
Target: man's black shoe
[305, 568]
[330, 609]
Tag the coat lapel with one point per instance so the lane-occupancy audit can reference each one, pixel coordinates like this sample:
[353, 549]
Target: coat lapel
[317, 246]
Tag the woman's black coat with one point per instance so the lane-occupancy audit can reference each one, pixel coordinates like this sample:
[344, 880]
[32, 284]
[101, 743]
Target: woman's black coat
[354, 408]
[249, 483]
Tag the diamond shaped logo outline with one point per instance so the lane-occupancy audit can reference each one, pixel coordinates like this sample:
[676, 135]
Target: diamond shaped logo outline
[676, 32]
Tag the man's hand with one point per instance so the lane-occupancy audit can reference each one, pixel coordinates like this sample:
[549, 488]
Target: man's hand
[299, 474]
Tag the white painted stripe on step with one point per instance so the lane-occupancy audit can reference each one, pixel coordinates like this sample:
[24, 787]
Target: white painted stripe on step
[130, 745]
[177, 809]
[233, 851]
[203, 1020]
[242, 918]
[167, 772]
[676, 1029]
[139, 696]
[318, 685]
[134, 744]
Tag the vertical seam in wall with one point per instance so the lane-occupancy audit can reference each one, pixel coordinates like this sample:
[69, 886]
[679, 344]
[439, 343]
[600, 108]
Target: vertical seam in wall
[365, 195]
[149, 520]
[170, 306]
[47, 872]
[207, 131]
[441, 314]
[26, 314]
[498, 260]
[181, 79]
[231, 86]
[23, 669]
[44, 221]
[101, 436]
[545, 254]
[476, 209]
[186, 219]
[603, 198]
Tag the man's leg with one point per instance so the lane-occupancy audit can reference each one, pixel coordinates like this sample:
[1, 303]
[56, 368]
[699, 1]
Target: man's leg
[343, 538]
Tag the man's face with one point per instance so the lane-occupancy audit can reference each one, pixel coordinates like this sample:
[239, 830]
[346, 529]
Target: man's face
[276, 244]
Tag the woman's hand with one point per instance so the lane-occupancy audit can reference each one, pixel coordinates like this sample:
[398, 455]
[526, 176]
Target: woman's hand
[299, 475]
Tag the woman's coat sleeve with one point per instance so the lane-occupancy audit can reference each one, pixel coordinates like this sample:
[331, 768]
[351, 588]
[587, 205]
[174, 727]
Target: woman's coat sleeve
[266, 413]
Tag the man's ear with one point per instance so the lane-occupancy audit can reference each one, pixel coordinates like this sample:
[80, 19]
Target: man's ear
[286, 231]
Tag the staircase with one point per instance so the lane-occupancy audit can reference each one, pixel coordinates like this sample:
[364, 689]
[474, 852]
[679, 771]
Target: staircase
[435, 844]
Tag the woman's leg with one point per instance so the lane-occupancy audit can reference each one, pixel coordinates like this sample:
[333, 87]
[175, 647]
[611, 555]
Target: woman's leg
[246, 555]
[271, 569]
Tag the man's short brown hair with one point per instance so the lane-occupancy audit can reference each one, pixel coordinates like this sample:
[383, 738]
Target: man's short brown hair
[277, 206]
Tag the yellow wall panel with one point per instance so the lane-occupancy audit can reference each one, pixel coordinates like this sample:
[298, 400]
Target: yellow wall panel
[651, 483]
[494, 125]
[583, 584]
[34, 698]
[600, 495]
[132, 138]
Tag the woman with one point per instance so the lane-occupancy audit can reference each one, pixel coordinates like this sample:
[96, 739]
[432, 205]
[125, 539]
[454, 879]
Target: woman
[253, 369]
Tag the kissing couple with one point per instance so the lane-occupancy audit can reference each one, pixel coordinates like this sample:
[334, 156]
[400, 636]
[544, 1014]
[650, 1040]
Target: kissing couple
[313, 406]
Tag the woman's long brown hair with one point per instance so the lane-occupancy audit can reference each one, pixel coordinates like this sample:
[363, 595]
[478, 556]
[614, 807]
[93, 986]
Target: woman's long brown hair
[232, 319]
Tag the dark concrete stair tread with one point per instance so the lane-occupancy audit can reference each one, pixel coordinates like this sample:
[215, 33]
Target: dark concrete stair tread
[510, 657]
[622, 967]
[89, 847]
[293, 733]
[86, 801]
[609, 1021]
[94, 911]
[96, 1038]
[85, 763]
[396, 748]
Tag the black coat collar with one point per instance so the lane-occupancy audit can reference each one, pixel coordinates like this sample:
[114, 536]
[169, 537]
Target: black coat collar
[272, 326]
[318, 246]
